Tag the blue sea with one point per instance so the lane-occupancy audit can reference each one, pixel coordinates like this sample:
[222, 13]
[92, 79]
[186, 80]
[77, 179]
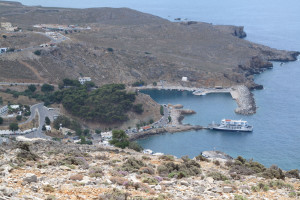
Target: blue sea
[276, 135]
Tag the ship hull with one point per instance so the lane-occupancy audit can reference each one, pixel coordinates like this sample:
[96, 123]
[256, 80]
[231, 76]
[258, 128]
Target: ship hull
[233, 130]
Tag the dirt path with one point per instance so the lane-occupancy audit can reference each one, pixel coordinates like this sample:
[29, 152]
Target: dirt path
[36, 73]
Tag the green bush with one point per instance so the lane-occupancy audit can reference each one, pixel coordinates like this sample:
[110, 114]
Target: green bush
[185, 169]
[1, 120]
[37, 52]
[218, 176]
[132, 165]
[47, 88]
[32, 88]
[110, 49]
[135, 146]
[161, 110]
[273, 172]
[167, 157]
[293, 174]
[95, 172]
[47, 120]
[201, 158]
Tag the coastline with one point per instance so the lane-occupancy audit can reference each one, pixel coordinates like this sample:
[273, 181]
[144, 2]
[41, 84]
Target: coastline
[241, 94]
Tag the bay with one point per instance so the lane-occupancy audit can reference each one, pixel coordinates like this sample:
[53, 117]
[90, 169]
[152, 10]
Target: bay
[274, 23]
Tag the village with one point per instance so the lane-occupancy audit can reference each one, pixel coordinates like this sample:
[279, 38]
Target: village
[55, 32]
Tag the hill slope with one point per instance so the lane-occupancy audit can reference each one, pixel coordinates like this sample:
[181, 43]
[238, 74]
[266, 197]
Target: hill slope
[142, 46]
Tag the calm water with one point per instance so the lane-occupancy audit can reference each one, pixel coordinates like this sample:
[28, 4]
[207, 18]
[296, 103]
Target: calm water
[271, 22]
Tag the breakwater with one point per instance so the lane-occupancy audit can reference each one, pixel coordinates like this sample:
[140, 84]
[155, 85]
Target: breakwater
[244, 99]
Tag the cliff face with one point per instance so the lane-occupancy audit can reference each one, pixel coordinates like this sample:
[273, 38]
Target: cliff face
[51, 170]
[141, 47]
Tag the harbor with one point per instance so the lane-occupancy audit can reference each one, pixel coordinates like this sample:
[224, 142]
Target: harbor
[240, 93]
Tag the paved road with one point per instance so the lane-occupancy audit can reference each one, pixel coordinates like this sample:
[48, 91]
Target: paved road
[33, 113]
[24, 84]
[43, 112]
[164, 120]
[13, 83]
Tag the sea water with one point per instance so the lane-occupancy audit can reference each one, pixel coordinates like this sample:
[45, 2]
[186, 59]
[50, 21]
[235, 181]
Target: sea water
[276, 135]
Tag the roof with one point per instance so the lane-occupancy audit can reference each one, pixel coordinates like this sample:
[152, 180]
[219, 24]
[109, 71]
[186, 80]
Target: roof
[146, 127]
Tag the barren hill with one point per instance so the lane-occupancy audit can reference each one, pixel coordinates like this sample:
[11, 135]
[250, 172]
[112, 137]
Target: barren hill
[124, 45]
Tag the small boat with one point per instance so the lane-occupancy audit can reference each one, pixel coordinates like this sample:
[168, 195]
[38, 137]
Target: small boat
[199, 92]
[232, 125]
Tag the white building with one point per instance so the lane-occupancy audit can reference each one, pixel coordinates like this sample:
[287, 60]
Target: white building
[184, 79]
[82, 80]
[107, 135]
[3, 50]
[48, 128]
[15, 106]
[3, 110]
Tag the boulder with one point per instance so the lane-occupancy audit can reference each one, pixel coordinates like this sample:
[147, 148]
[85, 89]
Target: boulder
[30, 178]
[227, 189]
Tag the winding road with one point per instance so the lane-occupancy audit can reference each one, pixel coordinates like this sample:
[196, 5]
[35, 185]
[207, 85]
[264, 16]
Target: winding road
[42, 112]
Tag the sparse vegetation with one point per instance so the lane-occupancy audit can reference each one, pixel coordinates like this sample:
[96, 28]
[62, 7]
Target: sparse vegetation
[132, 165]
[201, 158]
[48, 188]
[138, 83]
[138, 108]
[185, 169]
[293, 174]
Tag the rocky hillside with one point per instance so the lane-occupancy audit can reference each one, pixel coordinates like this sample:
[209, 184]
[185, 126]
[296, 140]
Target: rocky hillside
[51, 170]
[124, 46]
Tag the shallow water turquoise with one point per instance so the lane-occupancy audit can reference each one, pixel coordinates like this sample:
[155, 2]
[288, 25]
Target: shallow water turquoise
[276, 135]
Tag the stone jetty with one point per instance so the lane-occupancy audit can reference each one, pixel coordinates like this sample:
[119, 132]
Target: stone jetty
[244, 99]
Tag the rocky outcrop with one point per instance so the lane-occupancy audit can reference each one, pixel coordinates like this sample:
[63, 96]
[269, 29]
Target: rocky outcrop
[216, 155]
[237, 31]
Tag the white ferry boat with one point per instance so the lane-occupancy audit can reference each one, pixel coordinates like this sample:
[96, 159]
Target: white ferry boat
[232, 125]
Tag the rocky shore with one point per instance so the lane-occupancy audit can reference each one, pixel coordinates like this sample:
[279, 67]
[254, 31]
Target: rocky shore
[48, 170]
[244, 99]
